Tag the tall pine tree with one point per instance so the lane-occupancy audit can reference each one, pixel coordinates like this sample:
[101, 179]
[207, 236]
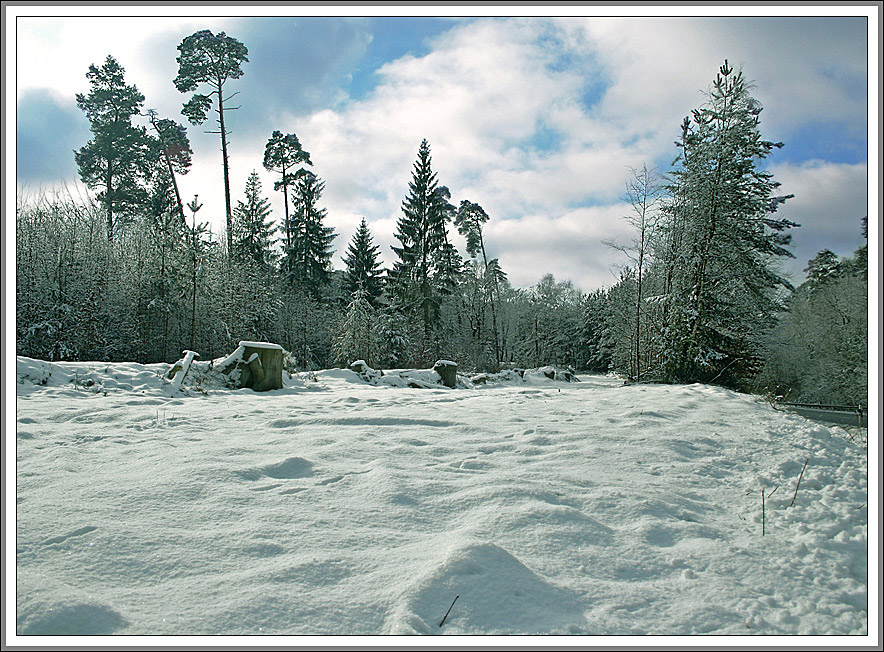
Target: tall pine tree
[282, 154]
[117, 159]
[469, 220]
[363, 271]
[724, 240]
[426, 265]
[213, 60]
[173, 149]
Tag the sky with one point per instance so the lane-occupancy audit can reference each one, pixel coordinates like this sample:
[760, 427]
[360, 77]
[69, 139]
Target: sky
[538, 118]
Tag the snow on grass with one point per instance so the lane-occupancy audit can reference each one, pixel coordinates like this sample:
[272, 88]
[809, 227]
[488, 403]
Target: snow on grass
[333, 506]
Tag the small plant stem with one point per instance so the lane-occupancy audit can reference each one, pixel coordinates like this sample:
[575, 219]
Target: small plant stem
[762, 511]
[449, 611]
[773, 492]
[799, 481]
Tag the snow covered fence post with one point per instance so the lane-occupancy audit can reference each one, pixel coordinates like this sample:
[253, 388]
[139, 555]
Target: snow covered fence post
[448, 371]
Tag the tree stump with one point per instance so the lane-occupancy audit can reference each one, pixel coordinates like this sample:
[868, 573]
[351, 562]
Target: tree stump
[259, 366]
[448, 371]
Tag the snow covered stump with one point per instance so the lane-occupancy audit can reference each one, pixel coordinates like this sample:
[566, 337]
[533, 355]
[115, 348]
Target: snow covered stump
[256, 365]
[448, 371]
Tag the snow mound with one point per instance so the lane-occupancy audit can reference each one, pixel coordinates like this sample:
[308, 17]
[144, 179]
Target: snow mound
[496, 594]
[414, 378]
[59, 609]
[89, 377]
[538, 375]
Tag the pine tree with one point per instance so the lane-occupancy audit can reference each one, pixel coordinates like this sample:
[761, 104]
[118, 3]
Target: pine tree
[307, 264]
[252, 234]
[282, 154]
[363, 270]
[173, 148]
[358, 339]
[723, 240]
[117, 159]
[211, 59]
[427, 262]
[469, 220]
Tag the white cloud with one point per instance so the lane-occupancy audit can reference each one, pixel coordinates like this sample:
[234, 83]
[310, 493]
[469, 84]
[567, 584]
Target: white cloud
[57, 52]
[478, 98]
[830, 199]
[569, 246]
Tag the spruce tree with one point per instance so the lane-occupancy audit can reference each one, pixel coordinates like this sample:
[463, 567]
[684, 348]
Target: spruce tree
[724, 240]
[117, 159]
[307, 263]
[363, 271]
[358, 339]
[252, 234]
[427, 262]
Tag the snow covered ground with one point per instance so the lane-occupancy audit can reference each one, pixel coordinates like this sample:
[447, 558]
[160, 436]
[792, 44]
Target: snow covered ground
[337, 507]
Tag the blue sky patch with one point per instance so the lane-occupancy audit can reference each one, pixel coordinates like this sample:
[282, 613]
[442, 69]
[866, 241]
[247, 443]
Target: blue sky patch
[835, 142]
[393, 38]
[47, 133]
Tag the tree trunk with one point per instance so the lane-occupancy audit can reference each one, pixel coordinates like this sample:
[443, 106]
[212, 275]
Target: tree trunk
[175, 186]
[491, 291]
[226, 167]
[108, 201]
[285, 195]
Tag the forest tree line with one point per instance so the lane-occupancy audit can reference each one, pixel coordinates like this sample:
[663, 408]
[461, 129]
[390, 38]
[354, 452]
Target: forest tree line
[131, 273]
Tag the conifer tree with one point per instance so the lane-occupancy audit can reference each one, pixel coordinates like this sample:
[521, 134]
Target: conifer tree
[211, 59]
[724, 240]
[282, 154]
[427, 262]
[363, 271]
[358, 339]
[307, 264]
[469, 220]
[252, 234]
[173, 148]
[116, 161]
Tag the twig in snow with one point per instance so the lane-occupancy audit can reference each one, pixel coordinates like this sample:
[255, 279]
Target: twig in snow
[762, 511]
[449, 610]
[773, 492]
[799, 481]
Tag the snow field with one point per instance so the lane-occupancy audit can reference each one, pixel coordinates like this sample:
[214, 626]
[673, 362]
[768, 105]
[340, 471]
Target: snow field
[337, 507]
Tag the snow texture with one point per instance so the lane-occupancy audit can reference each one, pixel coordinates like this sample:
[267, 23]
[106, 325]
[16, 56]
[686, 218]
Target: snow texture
[336, 506]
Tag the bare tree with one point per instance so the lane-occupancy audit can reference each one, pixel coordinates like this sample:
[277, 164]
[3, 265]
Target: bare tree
[643, 193]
